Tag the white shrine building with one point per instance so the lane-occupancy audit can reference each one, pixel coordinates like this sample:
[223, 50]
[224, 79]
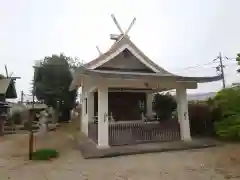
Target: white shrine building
[118, 87]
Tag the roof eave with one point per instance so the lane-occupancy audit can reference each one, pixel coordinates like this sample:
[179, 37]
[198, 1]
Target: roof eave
[128, 75]
[204, 79]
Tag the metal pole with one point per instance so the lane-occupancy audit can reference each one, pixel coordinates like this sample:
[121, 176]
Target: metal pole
[31, 135]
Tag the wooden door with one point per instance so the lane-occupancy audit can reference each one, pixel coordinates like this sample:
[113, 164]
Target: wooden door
[125, 105]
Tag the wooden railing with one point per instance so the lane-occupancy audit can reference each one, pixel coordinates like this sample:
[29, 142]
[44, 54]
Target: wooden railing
[125, 133]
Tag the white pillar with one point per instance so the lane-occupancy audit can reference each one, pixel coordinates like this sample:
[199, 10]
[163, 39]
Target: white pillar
[149, 100]
[103, 116]
[84, 127]
[183, 113]
[87, 110]
[90, 106]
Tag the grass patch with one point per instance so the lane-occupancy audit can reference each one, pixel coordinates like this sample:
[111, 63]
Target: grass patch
[45, 154]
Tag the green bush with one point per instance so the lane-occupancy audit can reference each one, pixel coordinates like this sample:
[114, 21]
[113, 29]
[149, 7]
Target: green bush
[228, 123]
[229, 128]
[164, 105]
[45, 154]
[228, 100]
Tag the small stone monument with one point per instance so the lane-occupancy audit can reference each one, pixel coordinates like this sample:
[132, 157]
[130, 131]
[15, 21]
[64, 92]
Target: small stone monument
[43, 119]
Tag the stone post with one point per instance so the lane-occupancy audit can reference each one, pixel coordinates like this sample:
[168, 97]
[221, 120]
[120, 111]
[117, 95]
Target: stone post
[103, 116]
[183, 113]
[149, 100]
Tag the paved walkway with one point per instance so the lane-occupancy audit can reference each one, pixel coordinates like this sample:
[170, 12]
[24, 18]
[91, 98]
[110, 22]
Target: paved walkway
[90, 151]
[213, 163]
[198, 165]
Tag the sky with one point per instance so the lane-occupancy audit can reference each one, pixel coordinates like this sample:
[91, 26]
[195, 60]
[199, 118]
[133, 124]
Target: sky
[174, 34]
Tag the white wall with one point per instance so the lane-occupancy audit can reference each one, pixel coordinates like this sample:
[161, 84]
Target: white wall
[87, 116]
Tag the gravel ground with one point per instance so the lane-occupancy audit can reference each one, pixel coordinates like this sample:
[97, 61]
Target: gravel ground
[212, 163]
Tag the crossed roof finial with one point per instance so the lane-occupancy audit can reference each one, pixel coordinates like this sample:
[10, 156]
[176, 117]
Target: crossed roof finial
[122, 33]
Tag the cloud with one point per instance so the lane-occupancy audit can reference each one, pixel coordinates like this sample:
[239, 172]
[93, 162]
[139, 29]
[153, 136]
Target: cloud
[175, 34]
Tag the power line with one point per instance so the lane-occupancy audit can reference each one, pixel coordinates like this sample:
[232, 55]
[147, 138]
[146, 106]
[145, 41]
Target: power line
[196, 66]
[229, 59]
[199, 65]
[218, 68]
[208, 63]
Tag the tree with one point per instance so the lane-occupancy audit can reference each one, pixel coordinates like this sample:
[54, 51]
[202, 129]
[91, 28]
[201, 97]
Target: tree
[228, 100]
[52, 80]
[228, 124]
[164, 105]
[238, 61]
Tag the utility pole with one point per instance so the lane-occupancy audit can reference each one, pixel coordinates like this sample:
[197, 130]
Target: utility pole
[220, 68]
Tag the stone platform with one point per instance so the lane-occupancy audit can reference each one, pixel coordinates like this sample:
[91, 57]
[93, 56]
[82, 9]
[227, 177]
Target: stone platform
[90, 151]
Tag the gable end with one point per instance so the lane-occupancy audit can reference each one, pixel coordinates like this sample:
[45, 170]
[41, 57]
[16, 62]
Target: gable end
[127, 62]
[125, 48]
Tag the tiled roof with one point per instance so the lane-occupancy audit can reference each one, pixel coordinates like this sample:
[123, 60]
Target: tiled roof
[136, 75]
[118, 44]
